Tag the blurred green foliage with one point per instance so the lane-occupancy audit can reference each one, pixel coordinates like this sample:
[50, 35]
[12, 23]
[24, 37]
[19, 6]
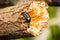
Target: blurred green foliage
[51, 11]
[22, 39]
[54, 33]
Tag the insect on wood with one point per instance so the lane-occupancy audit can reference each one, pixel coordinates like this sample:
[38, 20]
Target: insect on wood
[27, 17]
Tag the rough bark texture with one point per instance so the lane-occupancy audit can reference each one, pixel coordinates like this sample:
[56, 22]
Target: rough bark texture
[12, 22]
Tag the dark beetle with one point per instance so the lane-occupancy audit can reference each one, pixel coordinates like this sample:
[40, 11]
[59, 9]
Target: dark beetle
[27, 17]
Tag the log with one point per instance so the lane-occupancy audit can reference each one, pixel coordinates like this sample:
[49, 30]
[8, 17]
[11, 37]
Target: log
[14, 25]
[12, 22]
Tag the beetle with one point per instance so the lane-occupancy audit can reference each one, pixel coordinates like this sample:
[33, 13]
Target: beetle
[27, 17]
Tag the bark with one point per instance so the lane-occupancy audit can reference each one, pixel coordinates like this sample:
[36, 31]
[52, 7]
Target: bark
[12, 22]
